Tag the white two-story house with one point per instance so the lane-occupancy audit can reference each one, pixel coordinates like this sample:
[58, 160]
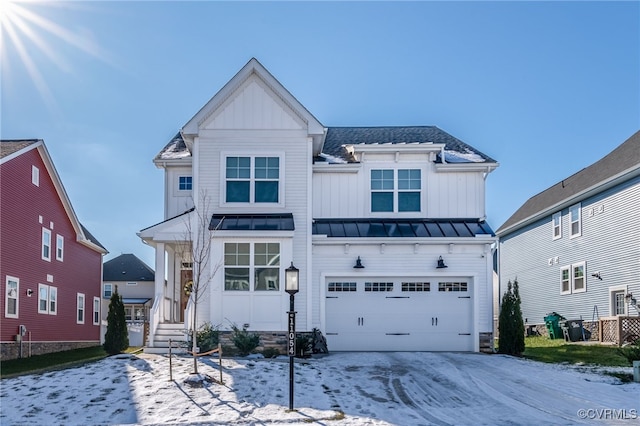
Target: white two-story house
[386, 225]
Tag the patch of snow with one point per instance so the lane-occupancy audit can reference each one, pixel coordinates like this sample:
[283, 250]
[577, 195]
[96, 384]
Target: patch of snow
[173, 153]
[391, 388]
[462, 157]
[332, 159]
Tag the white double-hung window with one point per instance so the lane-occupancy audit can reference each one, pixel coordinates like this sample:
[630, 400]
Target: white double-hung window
[557, 225]
[47, 299]
[575, 220]
[573, 279]
[11, 297]
[252, 179]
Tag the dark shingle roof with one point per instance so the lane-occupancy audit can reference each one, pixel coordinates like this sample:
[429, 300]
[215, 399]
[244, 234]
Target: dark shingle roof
[91, 238]
[338, 137]
[127, 267]
[9, 146]
[621, 159]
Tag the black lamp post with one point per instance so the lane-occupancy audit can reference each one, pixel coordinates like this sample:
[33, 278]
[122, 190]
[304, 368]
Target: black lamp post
[291, 286]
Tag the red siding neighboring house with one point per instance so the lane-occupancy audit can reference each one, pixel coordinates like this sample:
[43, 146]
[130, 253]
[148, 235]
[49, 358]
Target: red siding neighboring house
[50, 265]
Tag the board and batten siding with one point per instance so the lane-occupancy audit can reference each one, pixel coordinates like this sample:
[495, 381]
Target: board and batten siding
[404, 259]
[346, 194]
[609, 244]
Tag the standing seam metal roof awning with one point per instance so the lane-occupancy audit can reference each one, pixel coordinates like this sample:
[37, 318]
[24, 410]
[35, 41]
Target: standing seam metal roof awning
[252, 222]
[135, 300]
[403, 228]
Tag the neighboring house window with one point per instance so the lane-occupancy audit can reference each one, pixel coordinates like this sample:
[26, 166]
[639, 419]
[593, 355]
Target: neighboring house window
[59, 247]
[80, 309]
[575, 220]
[11, 297]
[253, 266]
[46, 244]
[107, 291]
[557, 225]
[579, 283]
[47, 299]
[128, 310]
[131, 284]
[565, 286]
[35, 176]
[573, 279]
[386, 196]
[185, 183]
[96, 311]
[252, 179]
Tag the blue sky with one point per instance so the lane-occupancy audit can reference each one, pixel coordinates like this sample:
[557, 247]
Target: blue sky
[545, 88]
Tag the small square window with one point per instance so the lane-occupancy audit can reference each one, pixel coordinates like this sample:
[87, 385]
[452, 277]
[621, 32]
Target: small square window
[185, 183]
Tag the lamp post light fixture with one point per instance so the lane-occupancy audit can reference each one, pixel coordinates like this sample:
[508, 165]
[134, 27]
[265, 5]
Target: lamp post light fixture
[291, 286]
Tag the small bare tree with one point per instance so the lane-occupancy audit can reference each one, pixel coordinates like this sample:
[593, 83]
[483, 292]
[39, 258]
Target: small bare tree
[196, 246]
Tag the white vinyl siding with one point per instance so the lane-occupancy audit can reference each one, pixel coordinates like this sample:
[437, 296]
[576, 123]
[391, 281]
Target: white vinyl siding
[12, 297]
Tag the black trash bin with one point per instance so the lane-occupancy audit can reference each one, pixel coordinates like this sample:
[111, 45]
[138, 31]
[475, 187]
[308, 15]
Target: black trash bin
[576, 331]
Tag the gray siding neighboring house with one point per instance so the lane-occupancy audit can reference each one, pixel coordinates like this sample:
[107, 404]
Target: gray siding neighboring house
[135, 282]
[575, 247]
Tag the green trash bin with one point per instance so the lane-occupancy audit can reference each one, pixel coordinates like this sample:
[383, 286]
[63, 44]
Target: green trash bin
[552, 321]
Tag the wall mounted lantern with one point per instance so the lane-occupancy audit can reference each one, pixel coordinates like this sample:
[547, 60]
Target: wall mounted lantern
[358, 264]
[441, 263]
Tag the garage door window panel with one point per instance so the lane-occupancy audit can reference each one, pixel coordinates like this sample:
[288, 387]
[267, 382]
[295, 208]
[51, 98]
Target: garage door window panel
[339, 287]
[378, 286]
[416, 287]
[452, 286]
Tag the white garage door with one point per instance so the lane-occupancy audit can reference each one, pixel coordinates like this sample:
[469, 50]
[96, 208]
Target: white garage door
[399, 315]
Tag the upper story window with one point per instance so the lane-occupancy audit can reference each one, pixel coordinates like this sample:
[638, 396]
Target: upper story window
[11, 297]
[252, 179]
[185, 183]
[575, 218]
[46, 244]
[35, 175]
[395, 190]
[557, 225]
[107, 291]
[59, 247]
[252, 266]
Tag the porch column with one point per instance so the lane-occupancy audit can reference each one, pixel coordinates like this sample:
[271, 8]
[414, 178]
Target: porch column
[160, 279]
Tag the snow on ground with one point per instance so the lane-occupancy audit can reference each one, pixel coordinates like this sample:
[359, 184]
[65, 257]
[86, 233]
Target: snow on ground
[342, 389]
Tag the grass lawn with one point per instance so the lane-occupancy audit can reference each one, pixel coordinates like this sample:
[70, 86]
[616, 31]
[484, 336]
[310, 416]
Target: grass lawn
[543, 349]
[53, 361]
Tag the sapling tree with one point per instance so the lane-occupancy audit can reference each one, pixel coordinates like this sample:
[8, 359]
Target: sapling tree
[196, 247]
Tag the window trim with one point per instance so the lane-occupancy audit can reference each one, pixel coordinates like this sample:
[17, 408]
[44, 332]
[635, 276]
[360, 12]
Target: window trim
[46, 232]
[96, 311]
[7, 297]
[396, 191]
[80, 308]
[252, 179]
[59, 247]
[557, 226]
[578, 209]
